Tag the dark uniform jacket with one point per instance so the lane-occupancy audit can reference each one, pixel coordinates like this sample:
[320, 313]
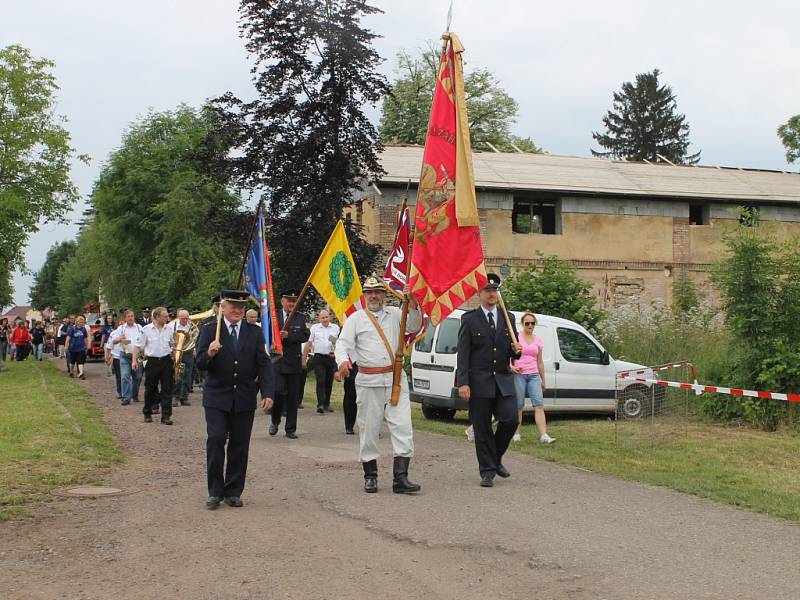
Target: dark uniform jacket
[298, 334]
[483, 361]
[234, 378]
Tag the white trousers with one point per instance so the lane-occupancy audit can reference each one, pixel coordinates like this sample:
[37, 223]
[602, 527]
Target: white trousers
[375, 405]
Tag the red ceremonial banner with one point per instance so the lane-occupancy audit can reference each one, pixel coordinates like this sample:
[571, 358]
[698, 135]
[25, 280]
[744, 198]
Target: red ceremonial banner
[447, 266]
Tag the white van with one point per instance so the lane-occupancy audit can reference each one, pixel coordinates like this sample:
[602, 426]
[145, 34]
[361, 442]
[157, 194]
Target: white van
[579, 373]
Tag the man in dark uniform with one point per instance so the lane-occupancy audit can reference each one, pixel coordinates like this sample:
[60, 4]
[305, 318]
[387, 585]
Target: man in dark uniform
[289, 367]
[146, 319]
[485, 380]
[238, 367]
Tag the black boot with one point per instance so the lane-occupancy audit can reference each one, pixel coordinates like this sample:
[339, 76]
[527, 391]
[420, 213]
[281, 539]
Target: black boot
[401, 484]
[370, 476]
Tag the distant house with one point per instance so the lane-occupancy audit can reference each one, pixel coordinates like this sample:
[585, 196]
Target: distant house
[20, 311]
[626, 226]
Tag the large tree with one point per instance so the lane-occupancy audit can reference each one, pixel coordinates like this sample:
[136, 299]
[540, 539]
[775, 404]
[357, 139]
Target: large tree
[789, 133]
[644, 124]
[35, 156]
[305, 140]
[491, 111]
[165, 227]
[44, 292]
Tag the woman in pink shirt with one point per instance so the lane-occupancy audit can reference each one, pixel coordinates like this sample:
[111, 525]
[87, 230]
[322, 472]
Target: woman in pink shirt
[529, 378]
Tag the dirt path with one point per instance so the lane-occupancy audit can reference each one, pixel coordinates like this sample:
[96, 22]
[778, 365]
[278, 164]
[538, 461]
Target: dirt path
[307, 530]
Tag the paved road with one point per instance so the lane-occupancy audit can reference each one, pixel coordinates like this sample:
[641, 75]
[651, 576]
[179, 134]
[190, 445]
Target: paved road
[307, 530]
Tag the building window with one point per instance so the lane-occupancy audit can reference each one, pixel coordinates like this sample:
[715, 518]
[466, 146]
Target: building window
[698, 214]
[534, 216]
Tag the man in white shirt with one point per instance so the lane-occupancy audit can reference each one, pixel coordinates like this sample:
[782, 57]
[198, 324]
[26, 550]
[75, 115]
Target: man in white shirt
[321, 341]
[361, 337]
[155, 343]
[180, 392]
[125, 337]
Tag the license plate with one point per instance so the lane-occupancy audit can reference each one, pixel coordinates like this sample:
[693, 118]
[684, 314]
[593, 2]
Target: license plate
[422, 384]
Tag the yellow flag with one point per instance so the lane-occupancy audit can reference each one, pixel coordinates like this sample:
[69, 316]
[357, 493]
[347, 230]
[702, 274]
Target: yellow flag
[335, 277]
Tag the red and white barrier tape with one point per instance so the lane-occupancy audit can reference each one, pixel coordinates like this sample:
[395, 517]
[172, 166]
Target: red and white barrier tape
[722, 390]
[677, 365]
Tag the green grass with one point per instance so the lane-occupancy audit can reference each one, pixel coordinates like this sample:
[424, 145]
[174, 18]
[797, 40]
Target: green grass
[51, 435]
[751, 469]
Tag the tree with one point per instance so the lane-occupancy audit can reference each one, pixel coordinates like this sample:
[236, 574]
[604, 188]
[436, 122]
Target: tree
[44, 292]
[789, 133]
[305, 139]
[685, 296]
[165, 226]
[553, 288]
[35, 156]
[644, 124]
[491, 111]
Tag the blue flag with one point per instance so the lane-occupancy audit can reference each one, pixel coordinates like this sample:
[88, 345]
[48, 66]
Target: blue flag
[258, 281]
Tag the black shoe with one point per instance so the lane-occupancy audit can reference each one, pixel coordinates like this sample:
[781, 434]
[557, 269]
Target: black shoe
[148, 419]
[136, 398]
[349, 432]
[70, 374]
[370, 476]
[166, 421]
[401, 484]
[125, 402]
[487, 481]
[273, 429]
[328, 409]
[320, 410]
[233, 501]
[185, 403]
[300, 406]
[81, 376]
[502, 471]
[291, 435]
[213, 502]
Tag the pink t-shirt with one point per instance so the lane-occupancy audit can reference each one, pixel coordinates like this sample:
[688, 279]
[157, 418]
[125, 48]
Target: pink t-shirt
[530, 353]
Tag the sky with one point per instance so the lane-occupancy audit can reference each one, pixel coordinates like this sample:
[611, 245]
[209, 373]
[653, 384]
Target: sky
[732, 65]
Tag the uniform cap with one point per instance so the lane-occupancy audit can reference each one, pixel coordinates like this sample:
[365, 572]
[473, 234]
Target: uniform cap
[373, 284]
[493, 281]
[290, 294]
[236, 296]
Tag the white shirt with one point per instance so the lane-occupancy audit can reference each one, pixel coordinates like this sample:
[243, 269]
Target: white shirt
[320, 337]
[123, 333]
[155, 343]
[360, 337]
[176, 326]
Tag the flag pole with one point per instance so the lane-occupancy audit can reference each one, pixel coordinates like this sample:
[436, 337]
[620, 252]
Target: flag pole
[249, 243]
[508, 319]
[401, 342]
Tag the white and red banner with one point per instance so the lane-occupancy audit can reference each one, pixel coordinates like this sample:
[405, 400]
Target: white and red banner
[397, 265]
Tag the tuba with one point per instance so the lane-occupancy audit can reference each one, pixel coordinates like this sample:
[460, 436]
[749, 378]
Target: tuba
[183, 341]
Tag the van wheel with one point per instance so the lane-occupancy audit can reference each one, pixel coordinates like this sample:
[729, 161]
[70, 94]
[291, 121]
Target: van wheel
[429, 412]
[432, 412]
[634, 404]
[447, 414]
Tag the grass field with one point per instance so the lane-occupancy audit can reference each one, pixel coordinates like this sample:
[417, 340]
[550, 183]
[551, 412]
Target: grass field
[51, 435]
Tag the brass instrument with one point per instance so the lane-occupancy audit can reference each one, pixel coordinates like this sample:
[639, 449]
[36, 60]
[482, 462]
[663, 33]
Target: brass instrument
[183, 341]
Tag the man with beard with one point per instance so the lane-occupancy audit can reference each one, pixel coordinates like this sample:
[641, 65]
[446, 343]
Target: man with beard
[372, 335]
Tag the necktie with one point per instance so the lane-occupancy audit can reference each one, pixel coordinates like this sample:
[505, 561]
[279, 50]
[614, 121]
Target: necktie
[491, 324]
[234, 339]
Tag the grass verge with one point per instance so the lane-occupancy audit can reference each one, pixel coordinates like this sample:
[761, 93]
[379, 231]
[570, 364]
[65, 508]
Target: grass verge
[751, 469]
[51, 435]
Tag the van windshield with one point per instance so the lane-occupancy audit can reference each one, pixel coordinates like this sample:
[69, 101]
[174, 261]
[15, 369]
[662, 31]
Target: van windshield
[447, 340]
[425, 343]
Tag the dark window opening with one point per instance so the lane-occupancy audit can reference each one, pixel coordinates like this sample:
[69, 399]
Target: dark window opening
[530, 216]
[698, 214]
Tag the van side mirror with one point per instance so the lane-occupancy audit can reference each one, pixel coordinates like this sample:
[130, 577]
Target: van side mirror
[605, 358]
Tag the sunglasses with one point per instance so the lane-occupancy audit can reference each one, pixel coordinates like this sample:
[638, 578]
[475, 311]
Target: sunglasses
[529, 323]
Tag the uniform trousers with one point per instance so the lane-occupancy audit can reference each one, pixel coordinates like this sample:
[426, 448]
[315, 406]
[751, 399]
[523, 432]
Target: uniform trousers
[490, 446]
[375, 405]
[180, 390]
[117, 376]
[349, 404]
[324, 366]
[235, 428]
[287, 400]
[158, 373]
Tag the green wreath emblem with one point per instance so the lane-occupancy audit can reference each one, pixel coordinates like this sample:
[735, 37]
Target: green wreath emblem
[341, 275]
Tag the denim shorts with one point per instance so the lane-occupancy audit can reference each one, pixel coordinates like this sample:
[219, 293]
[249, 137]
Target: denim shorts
[530, 386]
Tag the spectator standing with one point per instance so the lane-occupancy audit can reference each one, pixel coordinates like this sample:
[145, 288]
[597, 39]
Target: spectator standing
[5, 334]
[61, 336]
[76, 344]
[321, 340]
[21, 339]
[37, 339]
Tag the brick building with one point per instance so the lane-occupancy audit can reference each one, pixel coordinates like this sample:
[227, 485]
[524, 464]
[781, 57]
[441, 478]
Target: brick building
[626, 226]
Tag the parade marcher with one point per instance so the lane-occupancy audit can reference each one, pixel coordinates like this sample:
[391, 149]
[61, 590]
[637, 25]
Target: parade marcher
[237, 367]
[37, 340]
[126, 336]
[146, 318]
[21, 339]
[289, 368]
[252, 317]
[349, 406]
[155, 343]
[485, 380]
[321, 341]
[372, 335]
[67, 355]
[112, 353]
[76, 344]
[180, 394]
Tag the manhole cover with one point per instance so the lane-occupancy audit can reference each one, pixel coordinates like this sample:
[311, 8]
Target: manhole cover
[90, 490]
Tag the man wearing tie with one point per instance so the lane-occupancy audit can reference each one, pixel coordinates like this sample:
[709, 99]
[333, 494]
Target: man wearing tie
[485, 380]
[289, 370]
[238, 368]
